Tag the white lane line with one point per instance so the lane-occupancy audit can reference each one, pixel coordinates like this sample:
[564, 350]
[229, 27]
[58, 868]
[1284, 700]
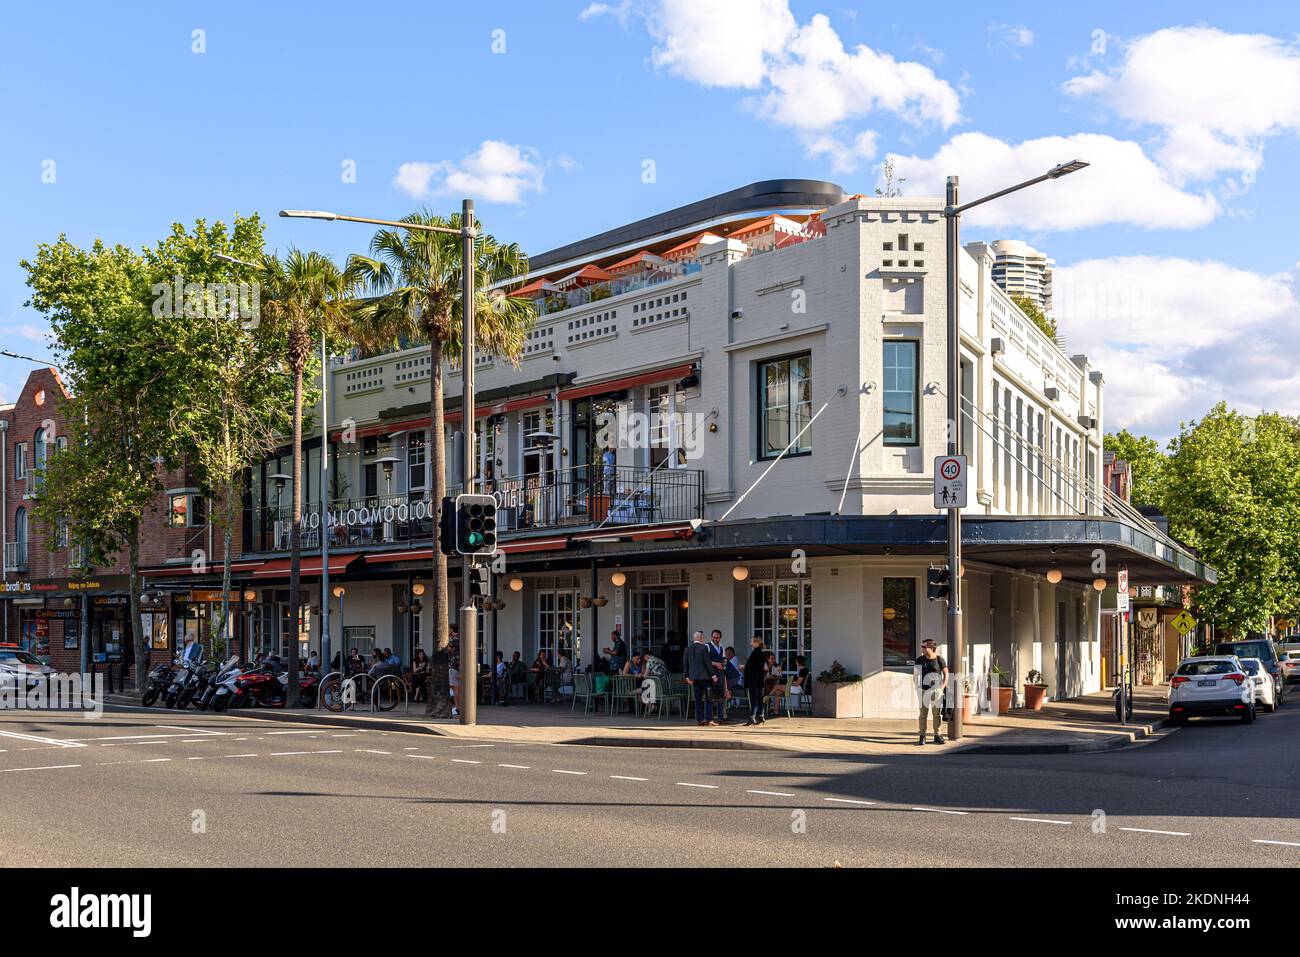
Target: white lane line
[48, 767]
[847, 801]
[1039, 820]
[239, 755]
[350, 734]
[411, 748]
[131, 744]
[39, 739]
[191, 730]
[370, 751]
[521, 767]
[1147, 830]
[688, 784]
[559, 771]
[1282, 843]
[464, 761]
[307, 731]
[473, 745]
[780, 794]
[427, 757]
[281, 754]
[626, 777]
[939, 810]
[109, 764]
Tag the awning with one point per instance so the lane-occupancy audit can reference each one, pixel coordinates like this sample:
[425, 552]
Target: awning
[406, 425]
[188, 568]
[308, 565]
[410, 555]
[628, 382]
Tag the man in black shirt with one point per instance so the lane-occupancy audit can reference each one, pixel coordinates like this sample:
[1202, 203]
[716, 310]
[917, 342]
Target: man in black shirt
[755, 674]
[932, 679]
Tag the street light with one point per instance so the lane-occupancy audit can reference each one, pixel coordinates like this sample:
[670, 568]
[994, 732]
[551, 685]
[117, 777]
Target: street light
[467, 232]
[952, 213]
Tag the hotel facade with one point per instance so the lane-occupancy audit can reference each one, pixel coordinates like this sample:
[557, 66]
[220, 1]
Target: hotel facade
[726, 416]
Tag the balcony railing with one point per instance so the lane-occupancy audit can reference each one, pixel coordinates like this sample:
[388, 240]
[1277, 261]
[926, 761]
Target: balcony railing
[16, 556]
[560, 301]
[585, 496]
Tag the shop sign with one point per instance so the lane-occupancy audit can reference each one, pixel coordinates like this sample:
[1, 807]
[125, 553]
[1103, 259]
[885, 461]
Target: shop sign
[418, 511]
[17, 587]
[112, 600]
[83, 586]
[213, 596]
[64, 613]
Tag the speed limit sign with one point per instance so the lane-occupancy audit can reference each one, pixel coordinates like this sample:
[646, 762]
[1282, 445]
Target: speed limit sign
[950, 481]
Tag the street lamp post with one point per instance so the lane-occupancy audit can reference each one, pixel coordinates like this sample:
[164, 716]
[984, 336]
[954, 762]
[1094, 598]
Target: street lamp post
[952, 213]
[467, 232]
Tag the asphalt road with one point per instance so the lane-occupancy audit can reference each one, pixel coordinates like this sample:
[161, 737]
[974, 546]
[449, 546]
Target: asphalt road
[168, 788]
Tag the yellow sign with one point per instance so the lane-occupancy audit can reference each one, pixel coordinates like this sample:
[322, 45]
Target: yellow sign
[1183, 622]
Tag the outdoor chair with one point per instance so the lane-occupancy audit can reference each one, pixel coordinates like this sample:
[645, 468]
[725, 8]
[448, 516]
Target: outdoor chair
[552, 693]
[584, 689]
[665, 697]
[623, 690]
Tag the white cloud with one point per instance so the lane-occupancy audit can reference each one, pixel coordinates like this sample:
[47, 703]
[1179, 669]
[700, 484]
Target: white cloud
[802, 76]
[1173, 336]
[28, 331]
[496, 172]
[845, 156]
[1214, 95]
[1010, 36]
[620, 11]
[1123, 185]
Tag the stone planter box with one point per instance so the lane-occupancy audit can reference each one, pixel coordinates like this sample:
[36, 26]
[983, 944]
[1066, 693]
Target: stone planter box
[840, 700]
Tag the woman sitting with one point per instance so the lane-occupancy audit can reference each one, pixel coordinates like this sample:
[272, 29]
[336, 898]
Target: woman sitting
[419, 675]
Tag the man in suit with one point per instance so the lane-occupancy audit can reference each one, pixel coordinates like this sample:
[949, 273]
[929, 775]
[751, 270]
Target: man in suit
[701, 676]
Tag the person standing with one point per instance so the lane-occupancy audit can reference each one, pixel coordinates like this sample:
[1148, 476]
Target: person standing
[932, 681]
[617, 653]
[755, 677]
[721, 691]
[701, 676]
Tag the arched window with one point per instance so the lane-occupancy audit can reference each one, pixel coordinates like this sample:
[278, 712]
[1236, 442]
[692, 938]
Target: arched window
[20, 525]
[39, 455]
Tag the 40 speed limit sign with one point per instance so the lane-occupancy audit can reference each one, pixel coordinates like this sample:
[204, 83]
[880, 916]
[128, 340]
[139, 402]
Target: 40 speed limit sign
[950, 481]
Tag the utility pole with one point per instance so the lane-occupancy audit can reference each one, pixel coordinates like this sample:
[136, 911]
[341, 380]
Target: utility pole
[468, 618]
[956, 647]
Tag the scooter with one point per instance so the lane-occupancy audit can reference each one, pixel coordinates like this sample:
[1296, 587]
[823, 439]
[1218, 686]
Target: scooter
[179, 679]
[195, 684]
[159, 680]
[223, 687]
[267, 686]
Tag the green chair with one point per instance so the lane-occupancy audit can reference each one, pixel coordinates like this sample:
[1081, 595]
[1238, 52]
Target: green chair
[677, 686]
[552, 684]
[666, 696]
[624, 691]
[584, 688]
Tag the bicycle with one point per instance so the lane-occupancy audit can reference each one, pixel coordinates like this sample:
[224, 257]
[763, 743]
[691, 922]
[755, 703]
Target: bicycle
[339, 693]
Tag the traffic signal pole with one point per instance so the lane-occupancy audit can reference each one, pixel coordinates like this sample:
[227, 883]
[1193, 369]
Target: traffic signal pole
[468, 619]
[956, 648]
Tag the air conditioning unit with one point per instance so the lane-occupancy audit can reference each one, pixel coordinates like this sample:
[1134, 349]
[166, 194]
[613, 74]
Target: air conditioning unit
[1052, 393]
[1087, 421]
[998, 346]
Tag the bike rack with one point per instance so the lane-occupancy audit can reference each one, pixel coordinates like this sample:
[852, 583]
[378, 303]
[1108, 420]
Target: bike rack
[374, 693]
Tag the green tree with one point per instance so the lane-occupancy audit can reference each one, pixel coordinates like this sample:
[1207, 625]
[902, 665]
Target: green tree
[416, 276]
[1147, 462]
[118, 361]
[303, 298]
[1232, 491]
[1041, 320]
[236, 401]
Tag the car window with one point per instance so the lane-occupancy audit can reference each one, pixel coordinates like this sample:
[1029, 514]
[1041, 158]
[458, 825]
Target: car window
[26, 657]
[1206, 668]
[1251, 665]
[1246, 649]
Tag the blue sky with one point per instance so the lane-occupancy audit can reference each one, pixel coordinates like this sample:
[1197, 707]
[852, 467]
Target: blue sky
[1177, 257]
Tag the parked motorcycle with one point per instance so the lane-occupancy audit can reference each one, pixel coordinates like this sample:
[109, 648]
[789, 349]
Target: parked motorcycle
[267, 685]
[223, 687]
[180, 678]
[196, 683]
[159, 681]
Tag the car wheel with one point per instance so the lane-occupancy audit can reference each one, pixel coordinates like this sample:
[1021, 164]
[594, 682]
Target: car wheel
[1248, 716]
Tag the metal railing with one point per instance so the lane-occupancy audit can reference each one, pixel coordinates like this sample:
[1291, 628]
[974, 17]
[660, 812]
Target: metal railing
[16, 556]
[559, 301]
[587, 495]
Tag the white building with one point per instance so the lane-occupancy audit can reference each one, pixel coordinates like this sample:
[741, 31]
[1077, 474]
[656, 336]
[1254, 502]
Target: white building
[822, 329]
[1020, 270]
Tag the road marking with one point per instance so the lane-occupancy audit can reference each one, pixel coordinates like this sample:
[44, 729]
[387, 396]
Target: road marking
[52, 742]
[350, 734]
[521, 767]
[48, 767]
[194, 740]
[847, 801]
[625, 777]
[191, 730]
[939, 810]
[131, 744]
[411, 748]
[1039, 820]
[558, 771]
[370, 751]
[688, 784]
[154, 760]
[1147, 830]
[473, 745]
[427, 757]
[1282, 843]
[465, 761]
[281, 754]
[307, 731]
[780, 794]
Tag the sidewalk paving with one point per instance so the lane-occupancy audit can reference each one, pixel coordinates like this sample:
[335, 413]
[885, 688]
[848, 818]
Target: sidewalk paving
[1077, 725]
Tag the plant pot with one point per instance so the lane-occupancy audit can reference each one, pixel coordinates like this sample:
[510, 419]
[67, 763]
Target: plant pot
[970, 706]
[1006, 699]
[839, 699]
[1034, 695]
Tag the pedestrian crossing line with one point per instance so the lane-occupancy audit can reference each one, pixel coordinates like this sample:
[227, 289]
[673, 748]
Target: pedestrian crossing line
[1039, 820]
[1147, 830]
[847, 801]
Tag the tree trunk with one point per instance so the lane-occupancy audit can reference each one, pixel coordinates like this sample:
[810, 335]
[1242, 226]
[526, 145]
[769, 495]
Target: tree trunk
[439, 705]
[136, 621]
[227, 535]
[295, 542]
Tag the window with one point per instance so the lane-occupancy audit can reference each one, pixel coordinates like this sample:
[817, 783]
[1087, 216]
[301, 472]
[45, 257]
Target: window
[415, 464]
[557, 622]
[664, 405]
[186, 510]
[20, 460]
[39, 449]
[900, 397]
[784, 406]
[899, 629]
[781, 612]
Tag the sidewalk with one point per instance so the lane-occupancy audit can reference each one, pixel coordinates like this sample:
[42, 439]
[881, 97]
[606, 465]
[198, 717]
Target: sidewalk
[1078, 725]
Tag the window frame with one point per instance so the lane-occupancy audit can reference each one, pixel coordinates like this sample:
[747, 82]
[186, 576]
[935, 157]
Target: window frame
[761, 453]
[915, 345]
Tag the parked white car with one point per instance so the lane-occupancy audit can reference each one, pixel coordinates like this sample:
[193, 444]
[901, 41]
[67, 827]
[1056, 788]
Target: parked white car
[1265, 689]
[1209, 686]
[1289, 652]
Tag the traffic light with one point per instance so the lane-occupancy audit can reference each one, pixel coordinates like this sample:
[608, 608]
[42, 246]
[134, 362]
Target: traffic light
[938, 583]
[476, 524]
[447, 527]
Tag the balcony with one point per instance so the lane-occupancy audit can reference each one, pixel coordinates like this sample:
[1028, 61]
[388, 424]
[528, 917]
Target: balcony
[16, 556]
[576, 498]
[559, 300]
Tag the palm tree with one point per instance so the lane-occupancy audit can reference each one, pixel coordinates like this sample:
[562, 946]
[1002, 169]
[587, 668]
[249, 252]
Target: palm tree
[303, 298]
[416, 278]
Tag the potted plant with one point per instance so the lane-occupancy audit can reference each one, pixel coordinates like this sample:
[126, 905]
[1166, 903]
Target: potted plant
[999, 678]
[1035, 691]
[838, 694]
[970, 701]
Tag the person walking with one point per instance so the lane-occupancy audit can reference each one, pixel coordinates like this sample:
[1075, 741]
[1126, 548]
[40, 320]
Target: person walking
[755, 677]
[932, 680]
[701, 675]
